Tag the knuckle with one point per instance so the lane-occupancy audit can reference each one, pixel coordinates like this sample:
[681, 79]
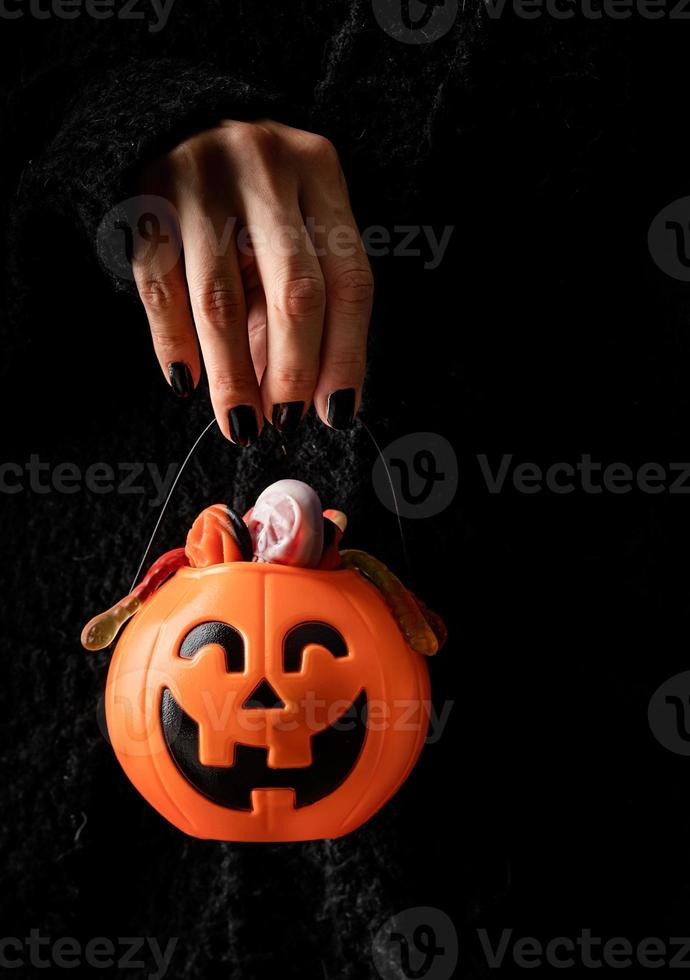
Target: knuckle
[158, 293]
[294, 378]
[263, 139]
[169, 344]
[260, 154]
[301, 296]
[180, 156]
[235, 380]
[185, 162]
[348, 366]
[353, 287]
[220, 301]
[254, 138]
[320, 150]
[197, 164]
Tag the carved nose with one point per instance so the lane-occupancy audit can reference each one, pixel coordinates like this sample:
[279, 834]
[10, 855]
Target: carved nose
[263, 696]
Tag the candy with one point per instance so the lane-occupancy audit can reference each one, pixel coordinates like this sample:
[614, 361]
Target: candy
[401, 602]
[213, 539]
[100, 631]
[334, 524]
[286, 525]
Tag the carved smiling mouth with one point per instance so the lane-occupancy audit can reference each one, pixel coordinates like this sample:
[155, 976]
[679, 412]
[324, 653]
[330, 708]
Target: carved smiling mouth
[335, 751]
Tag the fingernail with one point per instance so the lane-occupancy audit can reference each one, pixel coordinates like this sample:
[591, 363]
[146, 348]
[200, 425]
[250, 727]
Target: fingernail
[286, 416]
[244, 429]
[181, 380]
[340, 408]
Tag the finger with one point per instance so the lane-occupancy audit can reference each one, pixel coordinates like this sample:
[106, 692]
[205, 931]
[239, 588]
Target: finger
[159, 276]
[295, 303]
[349, 296]
[258, 339]
[218, 304]
[256, 314]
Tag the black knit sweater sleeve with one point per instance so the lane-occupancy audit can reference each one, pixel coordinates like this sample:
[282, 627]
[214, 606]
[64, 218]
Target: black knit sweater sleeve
[118, 120]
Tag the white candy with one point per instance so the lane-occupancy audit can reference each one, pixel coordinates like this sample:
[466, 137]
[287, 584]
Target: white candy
[286, 525]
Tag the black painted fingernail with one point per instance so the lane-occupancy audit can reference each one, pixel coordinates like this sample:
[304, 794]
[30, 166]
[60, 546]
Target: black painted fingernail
[244, 429]
[181, 380]
[340, 408]
[286, 416]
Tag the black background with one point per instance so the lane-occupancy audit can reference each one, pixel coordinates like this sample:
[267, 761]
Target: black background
[547, 332]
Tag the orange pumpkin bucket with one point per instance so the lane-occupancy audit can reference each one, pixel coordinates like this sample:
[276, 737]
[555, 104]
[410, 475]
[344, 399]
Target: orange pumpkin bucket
[259, 701]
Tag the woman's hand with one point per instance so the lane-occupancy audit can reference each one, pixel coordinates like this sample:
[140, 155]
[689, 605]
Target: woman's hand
[268, 272]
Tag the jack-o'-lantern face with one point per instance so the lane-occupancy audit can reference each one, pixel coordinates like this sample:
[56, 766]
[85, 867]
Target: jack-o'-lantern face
[262, 702]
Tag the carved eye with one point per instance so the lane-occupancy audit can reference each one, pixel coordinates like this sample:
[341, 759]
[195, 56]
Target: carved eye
[301, 636]
[222, 634]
